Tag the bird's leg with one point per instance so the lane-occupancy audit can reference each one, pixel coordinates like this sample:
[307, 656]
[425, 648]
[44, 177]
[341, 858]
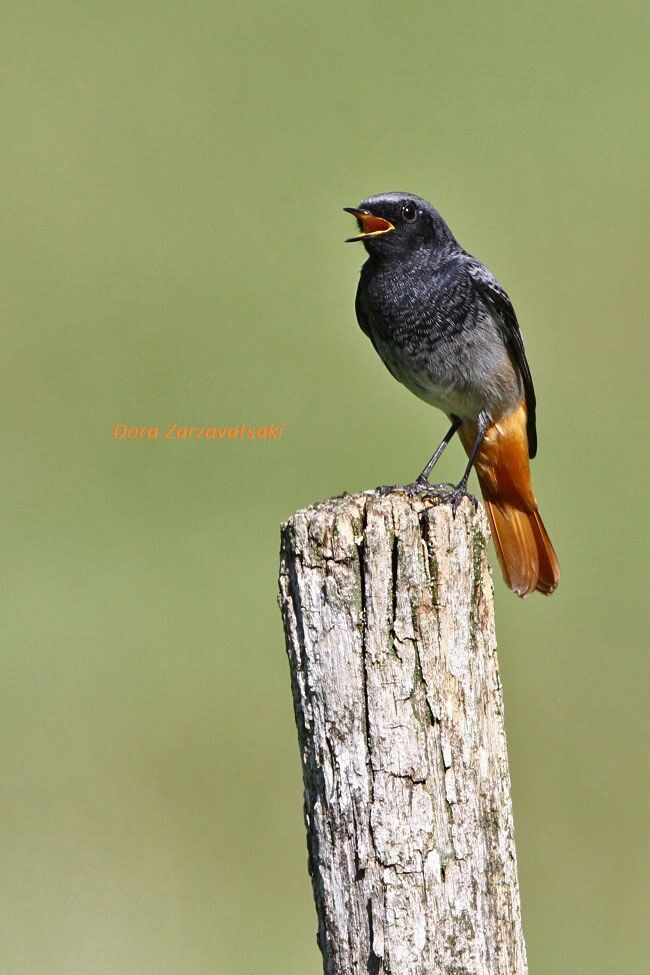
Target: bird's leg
[448, 493]
[483, 422]
[420, 485]
[423, 478]
[460, 491]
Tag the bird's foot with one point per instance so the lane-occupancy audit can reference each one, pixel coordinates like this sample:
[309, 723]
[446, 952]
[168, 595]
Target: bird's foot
[456, 494]
[451, 494]
[421, 483]
[419, 488]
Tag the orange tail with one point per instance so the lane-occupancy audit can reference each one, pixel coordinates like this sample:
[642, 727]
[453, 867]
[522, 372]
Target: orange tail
[525, 553]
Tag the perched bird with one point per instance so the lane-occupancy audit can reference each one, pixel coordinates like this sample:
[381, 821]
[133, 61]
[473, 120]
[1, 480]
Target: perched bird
[446, 329]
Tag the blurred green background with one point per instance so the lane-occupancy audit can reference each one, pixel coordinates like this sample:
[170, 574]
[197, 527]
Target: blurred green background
[172, 250]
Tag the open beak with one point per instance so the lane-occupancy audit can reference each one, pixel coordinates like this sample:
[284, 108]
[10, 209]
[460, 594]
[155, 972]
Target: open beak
[369, 224]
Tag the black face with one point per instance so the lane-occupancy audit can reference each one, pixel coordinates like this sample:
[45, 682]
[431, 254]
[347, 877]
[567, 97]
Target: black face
[397, 223]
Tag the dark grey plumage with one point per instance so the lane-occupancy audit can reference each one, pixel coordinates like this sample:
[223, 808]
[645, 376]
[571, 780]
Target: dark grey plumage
[439, 319]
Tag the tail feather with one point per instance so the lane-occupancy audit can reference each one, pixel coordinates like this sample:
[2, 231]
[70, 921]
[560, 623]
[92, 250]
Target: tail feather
[549, 567]
[524, 550]
[515, 546]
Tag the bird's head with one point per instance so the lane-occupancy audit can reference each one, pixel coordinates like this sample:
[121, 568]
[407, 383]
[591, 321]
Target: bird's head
[394, 224]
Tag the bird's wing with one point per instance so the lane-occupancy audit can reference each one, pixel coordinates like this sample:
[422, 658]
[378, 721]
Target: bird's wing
[500, 305]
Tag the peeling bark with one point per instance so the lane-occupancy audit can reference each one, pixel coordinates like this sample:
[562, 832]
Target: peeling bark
[388, 614]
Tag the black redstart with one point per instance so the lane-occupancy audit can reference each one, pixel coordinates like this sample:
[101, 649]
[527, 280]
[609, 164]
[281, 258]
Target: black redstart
[446, 329]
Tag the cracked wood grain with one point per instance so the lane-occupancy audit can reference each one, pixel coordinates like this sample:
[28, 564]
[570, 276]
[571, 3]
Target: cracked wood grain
[389, 623]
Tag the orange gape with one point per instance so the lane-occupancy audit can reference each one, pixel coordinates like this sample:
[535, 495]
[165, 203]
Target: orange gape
[525, 553]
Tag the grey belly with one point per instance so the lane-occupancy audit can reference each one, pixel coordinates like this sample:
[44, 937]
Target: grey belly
[462, 376]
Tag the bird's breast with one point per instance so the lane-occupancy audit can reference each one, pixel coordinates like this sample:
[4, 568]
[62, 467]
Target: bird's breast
[444, 346]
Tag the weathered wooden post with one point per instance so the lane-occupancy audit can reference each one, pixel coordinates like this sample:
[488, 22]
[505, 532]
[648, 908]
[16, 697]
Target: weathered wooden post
[388, 615]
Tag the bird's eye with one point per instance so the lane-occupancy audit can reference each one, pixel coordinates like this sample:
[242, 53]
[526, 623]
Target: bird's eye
[409, 212]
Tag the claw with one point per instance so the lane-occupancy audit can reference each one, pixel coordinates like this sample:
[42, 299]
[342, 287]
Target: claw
[451, 494]
[383, 489]
[458, 494]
